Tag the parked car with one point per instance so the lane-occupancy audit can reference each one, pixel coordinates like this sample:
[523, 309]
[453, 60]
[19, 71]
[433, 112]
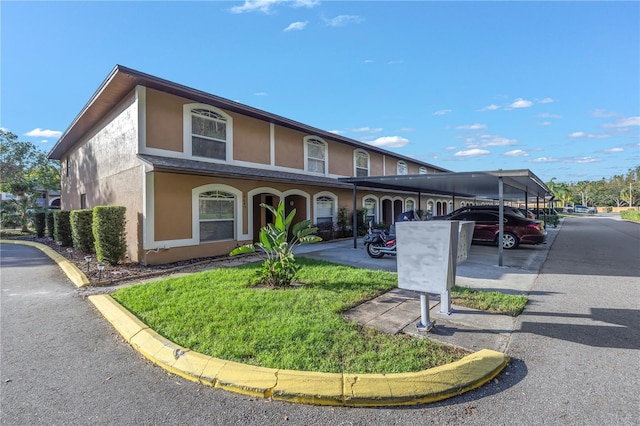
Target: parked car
[507, 210]
[545, 212]
[517, 229]
[527, 213]
[584, 209]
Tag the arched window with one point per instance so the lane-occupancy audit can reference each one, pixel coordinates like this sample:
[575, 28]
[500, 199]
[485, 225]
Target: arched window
[370, 213]
[409, 204]
[402, 168]
[361, 162]
[207, 132]
[216, 216]
[325, 210]
[315, 150]
[422, 170]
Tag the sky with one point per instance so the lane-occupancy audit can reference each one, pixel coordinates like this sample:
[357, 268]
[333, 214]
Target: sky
[553, 87]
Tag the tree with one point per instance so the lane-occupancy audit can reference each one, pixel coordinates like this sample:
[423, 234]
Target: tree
[24, 171]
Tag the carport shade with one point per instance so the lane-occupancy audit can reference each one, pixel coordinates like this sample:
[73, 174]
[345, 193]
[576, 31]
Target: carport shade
[500, 185]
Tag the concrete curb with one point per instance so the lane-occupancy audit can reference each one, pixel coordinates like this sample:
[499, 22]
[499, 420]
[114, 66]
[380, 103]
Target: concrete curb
[74, 274]
[356, 390]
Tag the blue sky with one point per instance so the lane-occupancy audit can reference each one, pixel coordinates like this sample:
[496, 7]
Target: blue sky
[549, 86]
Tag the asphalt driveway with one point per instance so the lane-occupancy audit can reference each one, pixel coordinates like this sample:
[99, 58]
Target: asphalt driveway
[575, 353]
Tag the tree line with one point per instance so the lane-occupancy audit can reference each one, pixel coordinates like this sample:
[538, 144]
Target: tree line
[617, 191]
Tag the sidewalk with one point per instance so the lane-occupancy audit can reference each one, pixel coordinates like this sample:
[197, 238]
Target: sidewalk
[398, 310]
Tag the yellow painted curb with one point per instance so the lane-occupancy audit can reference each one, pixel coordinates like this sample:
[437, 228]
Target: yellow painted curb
[357, 390]
[74, 274]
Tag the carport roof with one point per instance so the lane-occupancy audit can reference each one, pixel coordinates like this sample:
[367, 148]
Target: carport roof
[483, 184]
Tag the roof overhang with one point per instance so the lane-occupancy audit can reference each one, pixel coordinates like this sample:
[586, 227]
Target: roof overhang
[482, 184]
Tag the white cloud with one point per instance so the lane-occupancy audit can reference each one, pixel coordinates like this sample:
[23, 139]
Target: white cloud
[472, 153]
[367, 130]
[516, 153]
[583, 135]
[395, 62]
[603, 113]
[336, 132]
[612, 150]
[391, 141]
[624, 122]
[40, 133]
[546, 101]
[442, 112]
[451, 148]
[296, 26]
[342, 20]
[585, 160]
[491, 107]
[407, 129]
[499, 141]
[544, 160]
[261, 94]
[544, 123]
[547, 115]
[266, 6]
[368, 61]
[474, 126]
[521, 103]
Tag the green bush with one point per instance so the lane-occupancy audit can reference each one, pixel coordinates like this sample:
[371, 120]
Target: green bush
[50, 224]
[62, 228]
[81, 230]
[633, 215]
[109, 233]
[40, 219]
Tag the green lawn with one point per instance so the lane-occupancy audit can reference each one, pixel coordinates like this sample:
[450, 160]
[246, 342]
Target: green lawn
[493, 301]
[216, 313]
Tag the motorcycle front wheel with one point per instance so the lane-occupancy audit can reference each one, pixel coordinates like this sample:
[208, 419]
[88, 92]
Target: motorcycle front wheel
[373, 250]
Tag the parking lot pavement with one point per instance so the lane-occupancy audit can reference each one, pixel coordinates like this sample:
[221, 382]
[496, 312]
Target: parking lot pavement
[398, 311]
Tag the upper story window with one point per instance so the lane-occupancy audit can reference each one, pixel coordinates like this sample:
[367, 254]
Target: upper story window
[402, 168]
[315, 151]
[361, 161]
[422, 170]
[207, 131]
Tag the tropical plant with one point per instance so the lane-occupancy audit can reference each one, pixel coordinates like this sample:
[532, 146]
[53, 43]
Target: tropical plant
[278, 244]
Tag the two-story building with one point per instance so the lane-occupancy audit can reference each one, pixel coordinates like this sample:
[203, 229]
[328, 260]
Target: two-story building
[192, 168]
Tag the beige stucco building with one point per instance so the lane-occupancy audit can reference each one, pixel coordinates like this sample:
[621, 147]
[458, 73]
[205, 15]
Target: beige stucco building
[192, 168]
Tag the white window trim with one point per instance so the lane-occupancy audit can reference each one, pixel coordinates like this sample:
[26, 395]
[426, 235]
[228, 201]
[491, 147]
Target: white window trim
[415, 204]
[355, 163]
[398, 168]
[307, 140]
[334, 213]
[195, 211]
[377, 211]
[187, 133]
[423, 170]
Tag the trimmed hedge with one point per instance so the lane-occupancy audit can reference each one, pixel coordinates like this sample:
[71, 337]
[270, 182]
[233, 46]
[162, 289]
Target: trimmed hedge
[50, 224]
[40, 219]
[81, 230]
[109, 233]
[633, 215]
[62, 228]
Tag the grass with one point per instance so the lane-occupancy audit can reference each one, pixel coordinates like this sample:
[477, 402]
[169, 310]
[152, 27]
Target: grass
[13, 233]
[216, 313]
[492, 301]
[633, 215]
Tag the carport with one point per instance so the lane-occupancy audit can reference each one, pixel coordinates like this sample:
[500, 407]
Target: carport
[500, 185]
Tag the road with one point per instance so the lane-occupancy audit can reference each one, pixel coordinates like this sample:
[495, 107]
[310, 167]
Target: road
[575, 353]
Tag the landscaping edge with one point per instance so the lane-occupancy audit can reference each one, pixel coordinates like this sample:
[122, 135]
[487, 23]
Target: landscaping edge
[354, 390]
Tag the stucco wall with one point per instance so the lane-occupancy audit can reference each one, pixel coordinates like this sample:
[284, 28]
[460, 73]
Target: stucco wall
[103, 165]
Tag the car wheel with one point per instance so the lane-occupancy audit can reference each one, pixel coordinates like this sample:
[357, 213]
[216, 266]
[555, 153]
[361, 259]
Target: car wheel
[509, 241]
[373, 250]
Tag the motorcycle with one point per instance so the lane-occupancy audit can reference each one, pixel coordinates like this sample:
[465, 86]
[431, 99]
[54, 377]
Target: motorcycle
[378, 242]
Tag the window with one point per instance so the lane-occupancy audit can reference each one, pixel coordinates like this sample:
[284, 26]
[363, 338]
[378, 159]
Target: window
[216, 216]
[402, 168]
[361, 161]
[370, 207]
[410, 205]
[324, 210]
[209, 133]
[422, 170]
[83, 201]
[315, 154]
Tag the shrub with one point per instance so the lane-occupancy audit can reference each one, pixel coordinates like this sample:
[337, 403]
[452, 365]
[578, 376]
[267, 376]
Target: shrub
[40, 219]
[62, 228]
[633, 215]
[50, 224]
[109, 233]
[279, 267]
[81, 230]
